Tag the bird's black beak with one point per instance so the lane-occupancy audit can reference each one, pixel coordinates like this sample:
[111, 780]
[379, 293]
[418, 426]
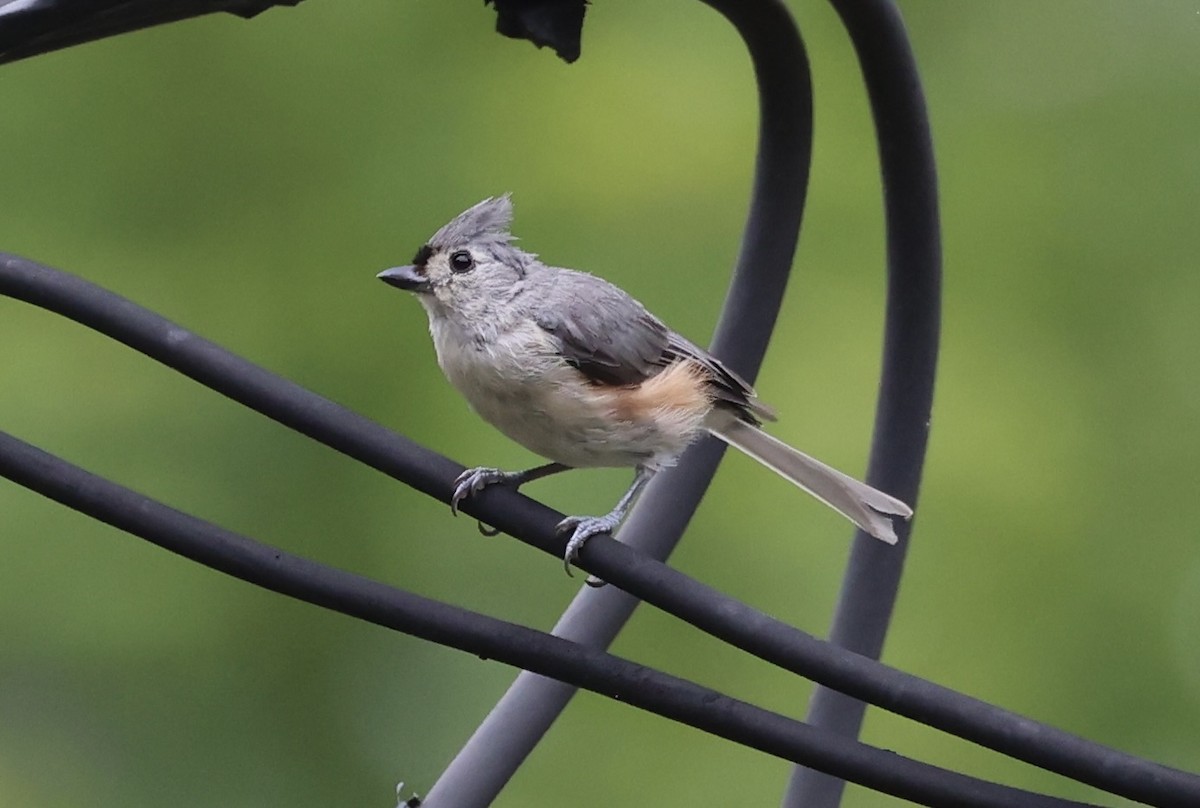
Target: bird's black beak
[406, 278]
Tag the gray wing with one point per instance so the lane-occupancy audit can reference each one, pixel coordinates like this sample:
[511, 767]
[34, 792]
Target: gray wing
[604, 332]
[612, 339]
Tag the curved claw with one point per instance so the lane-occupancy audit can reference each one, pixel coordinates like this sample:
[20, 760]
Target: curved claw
[583, 528]
[472, 481]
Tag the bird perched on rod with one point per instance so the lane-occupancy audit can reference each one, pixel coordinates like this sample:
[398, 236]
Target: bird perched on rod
[574, 369]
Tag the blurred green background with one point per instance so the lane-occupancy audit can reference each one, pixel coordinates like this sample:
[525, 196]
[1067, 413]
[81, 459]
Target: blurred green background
[247, 179]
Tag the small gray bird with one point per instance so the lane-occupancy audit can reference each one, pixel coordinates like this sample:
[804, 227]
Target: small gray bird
[574, 369]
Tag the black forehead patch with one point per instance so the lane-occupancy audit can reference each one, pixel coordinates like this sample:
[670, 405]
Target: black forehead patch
[423, 255]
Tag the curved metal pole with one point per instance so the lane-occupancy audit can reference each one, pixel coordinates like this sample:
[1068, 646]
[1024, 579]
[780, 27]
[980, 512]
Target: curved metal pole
[32, 27]
[872, 576]
[525, 713]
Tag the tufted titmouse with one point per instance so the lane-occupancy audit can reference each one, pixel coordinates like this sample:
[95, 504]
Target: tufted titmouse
[576, 370]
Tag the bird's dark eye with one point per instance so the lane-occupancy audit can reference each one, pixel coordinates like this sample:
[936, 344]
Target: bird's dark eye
[461, 261]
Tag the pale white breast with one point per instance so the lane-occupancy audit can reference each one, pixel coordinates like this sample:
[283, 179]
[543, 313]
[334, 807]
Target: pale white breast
[517, 381]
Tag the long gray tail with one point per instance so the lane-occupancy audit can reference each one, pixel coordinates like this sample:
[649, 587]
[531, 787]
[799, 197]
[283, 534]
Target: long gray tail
[863, 505]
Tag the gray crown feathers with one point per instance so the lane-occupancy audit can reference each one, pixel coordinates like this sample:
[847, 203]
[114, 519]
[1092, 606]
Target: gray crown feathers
[487, 221]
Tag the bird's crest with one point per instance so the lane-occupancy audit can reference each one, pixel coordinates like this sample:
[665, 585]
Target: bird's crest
[488, 220]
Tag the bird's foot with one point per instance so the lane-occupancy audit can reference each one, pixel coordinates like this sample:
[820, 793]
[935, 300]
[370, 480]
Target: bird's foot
[583, 528]
[475, 480]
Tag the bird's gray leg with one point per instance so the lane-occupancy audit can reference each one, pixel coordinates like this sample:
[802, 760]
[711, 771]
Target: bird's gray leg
[584, 527]
[474, 480]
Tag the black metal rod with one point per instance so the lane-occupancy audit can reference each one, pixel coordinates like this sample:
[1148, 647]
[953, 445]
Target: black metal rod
[363, 598]
[902, 416]
[34, 27]
[647, 579]
[519, 720]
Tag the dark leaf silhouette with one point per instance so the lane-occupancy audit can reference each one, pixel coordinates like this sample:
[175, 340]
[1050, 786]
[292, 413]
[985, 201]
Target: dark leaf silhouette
[554, 23]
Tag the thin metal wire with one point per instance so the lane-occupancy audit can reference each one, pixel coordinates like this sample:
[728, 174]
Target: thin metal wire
[525, 713]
